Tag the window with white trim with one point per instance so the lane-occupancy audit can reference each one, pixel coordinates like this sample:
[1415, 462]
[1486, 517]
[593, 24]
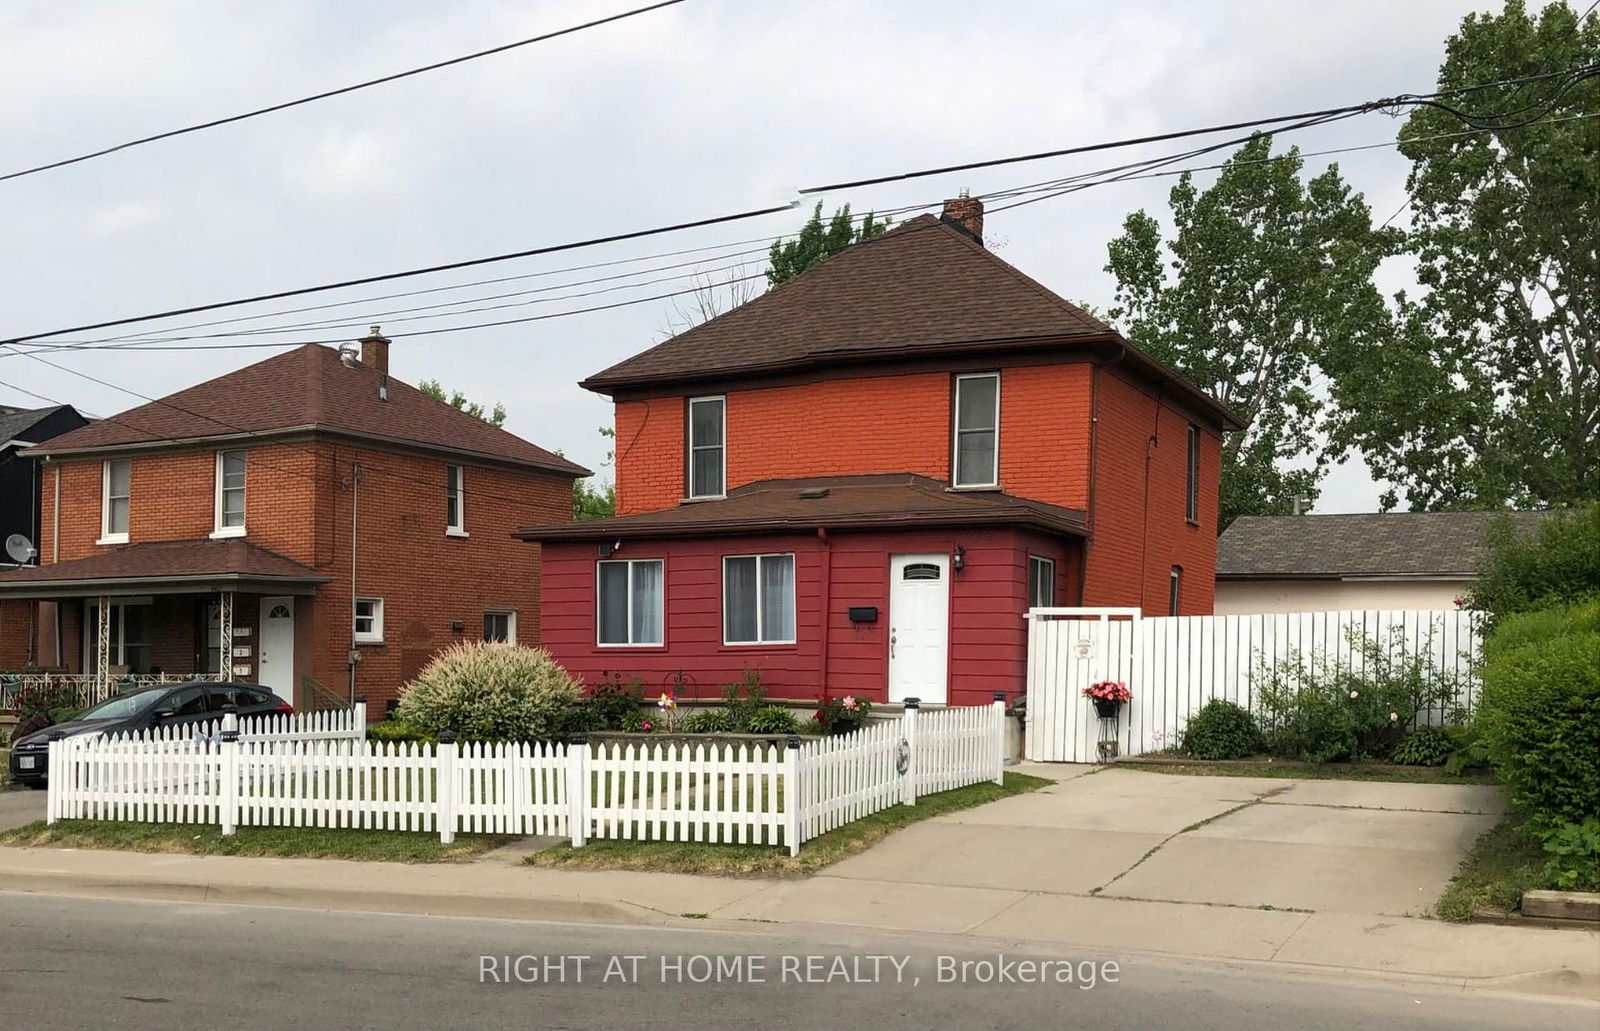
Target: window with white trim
[758, 599]
[708, 452]
[115, 478]
[369, 621]
[1191, 493]
[1175, 591]
[500, 627]
[1041, 582]
[976, 431]
[455, 505]
[629, 601]
[229, 495]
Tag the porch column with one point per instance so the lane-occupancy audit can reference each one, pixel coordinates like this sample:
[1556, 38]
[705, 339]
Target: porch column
[225, 635]
[102, 646]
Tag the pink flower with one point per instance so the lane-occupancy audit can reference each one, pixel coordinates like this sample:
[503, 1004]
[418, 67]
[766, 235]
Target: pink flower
[849, 701]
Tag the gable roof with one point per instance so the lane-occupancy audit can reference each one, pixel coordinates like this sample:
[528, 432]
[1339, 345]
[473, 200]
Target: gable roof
[924, 287]
[1411, 544]
[15, 422]
[308, 388]
[883, 501]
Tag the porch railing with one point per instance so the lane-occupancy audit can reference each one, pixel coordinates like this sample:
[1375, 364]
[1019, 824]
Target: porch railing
[87, 688]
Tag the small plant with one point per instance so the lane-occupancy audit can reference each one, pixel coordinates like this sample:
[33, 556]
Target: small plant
[614, 702]
[396, 730]
[708, 721]
[842, 715]
[1425, 746]
[1108, 691]
[773, 719]
[744, 699]
[1574, 849]
[491, 692]
[1222, 730]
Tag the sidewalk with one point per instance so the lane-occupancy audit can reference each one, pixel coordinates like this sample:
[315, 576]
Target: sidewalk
[1471, 956]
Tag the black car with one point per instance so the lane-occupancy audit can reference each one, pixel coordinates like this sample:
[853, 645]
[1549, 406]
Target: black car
[165, 706]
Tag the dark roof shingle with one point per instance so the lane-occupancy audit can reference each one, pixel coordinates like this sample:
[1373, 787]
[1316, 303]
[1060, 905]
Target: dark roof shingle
[309, 387]
[15, 423]
[167, 561]
[1359, 544]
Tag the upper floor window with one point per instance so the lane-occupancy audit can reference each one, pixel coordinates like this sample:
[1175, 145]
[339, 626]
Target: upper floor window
[758, 599]
[977, 431]
[1175, 591]
[1041, 582]
[1191, 496]
[455, 503]
[114, 501]
[229, 494]
[707, 447]
[630, 601]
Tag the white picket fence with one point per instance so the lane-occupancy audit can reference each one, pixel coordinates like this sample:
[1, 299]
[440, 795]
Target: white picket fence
[718, 791]
[1173, 665]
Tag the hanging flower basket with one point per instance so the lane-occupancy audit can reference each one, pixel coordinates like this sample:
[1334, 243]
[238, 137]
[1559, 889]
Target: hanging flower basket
[1107, 696]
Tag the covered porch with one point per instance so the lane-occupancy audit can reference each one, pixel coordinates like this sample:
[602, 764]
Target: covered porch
[161, 612]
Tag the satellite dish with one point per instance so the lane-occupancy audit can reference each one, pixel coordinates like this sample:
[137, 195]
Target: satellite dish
[20, 549]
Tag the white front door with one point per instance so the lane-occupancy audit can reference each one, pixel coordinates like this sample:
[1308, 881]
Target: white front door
[275, 662]
[919, 626]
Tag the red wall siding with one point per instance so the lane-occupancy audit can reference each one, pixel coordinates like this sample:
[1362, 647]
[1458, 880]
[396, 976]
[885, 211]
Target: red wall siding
[1139, 526]
[988, 637]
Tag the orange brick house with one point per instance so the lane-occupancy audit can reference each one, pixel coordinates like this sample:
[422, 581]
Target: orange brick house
[859, 482]
[307, 522]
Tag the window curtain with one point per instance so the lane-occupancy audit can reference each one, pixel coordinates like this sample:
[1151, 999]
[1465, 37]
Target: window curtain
[777, 598]
[613, 603]
[739, 599]
[647, 603]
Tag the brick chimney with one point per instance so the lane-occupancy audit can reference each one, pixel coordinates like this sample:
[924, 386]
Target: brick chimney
[375, 351]
[966, 214]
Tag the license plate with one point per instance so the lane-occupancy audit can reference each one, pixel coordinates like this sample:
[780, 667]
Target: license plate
[25, 762]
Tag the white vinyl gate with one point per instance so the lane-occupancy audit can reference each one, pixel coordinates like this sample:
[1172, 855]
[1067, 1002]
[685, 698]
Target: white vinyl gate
[1173, 665]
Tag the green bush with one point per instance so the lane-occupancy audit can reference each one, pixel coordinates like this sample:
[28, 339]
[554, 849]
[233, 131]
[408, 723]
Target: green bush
[1426, 746]
[744, 699]
[1539, 715]
[708, 721]
[1320, 713]
[773, 719]
[1574, 850]
[1557, 564]
[396, 730]
[491, 692]
[1541, 625]
[1222, 730]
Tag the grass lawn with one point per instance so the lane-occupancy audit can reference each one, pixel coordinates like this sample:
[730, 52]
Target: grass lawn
[771, 861]
[1503, 863]
[1290, 769]
[202, 840]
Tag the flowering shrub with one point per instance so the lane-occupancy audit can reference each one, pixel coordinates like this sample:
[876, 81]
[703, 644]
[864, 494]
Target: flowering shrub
[43, 705]
[491, 692]
[1108, 691]
[841, 715]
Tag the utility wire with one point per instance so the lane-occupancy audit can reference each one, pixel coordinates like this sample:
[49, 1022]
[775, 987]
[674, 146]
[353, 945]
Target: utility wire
[326, 94]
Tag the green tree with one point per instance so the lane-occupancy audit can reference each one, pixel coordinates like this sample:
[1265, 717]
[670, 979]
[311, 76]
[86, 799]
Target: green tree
[591, 501]
[456, 399]
[1265, 275]
[1490, 392]
[789, 258]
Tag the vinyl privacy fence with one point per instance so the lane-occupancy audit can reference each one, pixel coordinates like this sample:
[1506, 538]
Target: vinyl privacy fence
[1173, 665]
[719, 791]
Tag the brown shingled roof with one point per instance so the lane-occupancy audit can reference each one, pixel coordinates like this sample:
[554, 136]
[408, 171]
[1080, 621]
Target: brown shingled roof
[887, 501]
[1359, 544]
[195, 563]
[308, 388]
[924, 287]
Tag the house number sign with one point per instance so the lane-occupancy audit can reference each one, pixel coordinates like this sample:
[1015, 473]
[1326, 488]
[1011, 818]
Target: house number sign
[1083, 646]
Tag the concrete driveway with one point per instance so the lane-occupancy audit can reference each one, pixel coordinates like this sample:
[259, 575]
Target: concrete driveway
[1251, 843]
[19, 806]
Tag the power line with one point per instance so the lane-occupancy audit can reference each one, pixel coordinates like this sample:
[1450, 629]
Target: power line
[326, 94]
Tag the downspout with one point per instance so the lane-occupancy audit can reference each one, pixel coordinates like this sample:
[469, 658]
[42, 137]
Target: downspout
[827, 606]
[355, 505]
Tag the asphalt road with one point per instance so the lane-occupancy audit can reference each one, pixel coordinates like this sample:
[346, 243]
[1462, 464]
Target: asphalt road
[87, 963]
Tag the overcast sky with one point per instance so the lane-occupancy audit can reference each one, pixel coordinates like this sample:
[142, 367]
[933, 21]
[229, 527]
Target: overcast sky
[705, 108]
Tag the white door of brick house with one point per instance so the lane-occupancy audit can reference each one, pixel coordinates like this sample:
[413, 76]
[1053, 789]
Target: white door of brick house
[919, 627]
[275, 659]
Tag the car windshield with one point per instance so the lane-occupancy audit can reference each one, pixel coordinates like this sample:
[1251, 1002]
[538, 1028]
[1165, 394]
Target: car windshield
[124, 707]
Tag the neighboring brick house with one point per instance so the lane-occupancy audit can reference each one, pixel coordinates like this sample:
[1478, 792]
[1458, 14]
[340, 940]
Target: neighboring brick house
[861, 480]
[214, 530]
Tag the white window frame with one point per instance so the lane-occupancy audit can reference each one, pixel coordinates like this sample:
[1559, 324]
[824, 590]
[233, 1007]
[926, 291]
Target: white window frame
[955, 432]
[1191, 489]
[794, 599]
[106, 536]
[691, 447]
[374, 635]
[1175, 591]
[662, 614]
[459, 527]
[511, 623]
[1040, 562]
[217, 529]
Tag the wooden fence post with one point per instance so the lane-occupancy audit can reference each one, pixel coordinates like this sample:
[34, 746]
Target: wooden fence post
[908, 733]
[999, 710]
[578, 789]
[359, 714]
[228, 771]
[54, 751]
[445, 786]
[793, 794]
